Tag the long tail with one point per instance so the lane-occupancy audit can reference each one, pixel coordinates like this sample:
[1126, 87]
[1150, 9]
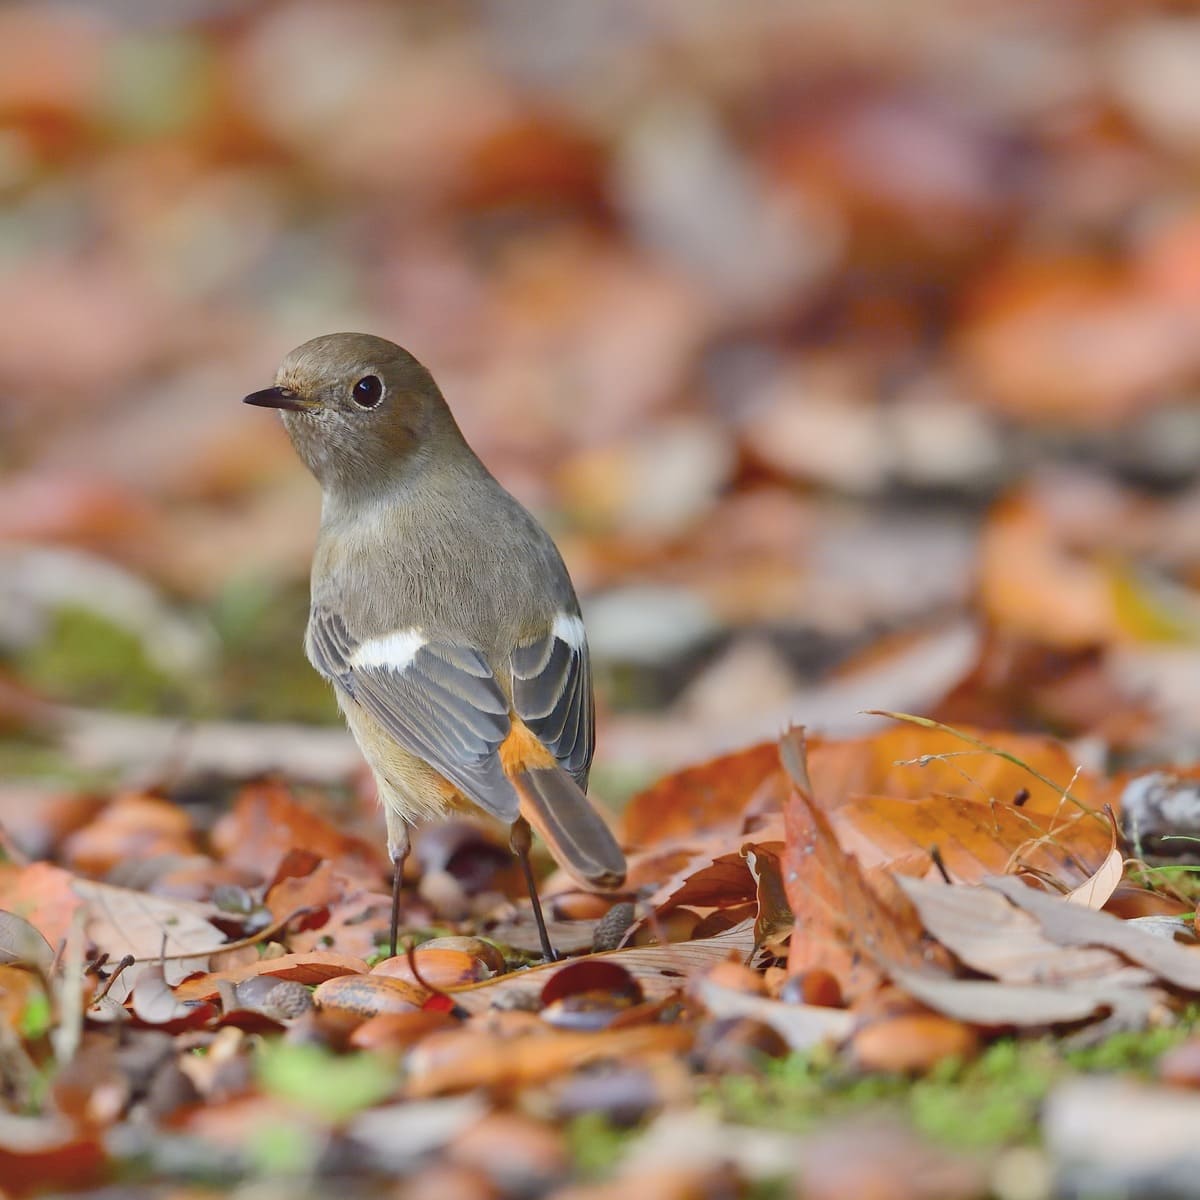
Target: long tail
[554, 804]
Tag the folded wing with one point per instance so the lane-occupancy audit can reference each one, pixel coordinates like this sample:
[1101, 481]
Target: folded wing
[438, 700]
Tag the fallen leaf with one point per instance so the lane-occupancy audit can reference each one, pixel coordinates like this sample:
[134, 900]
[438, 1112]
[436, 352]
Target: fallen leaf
[312, 967]
[987, 933]
[154, 1003]
[39, 1152]
[458, 1060]
[1098, 890]
[132, 827]
[42, 894]
[975, 838]
[23, 944]
[123, 922]
[985, 1002]
[268, 821]
[1071, 925]
[987, 766]
[659, 970]
[842, 925]
[714, 796]
[802, 1026]
[444, 963]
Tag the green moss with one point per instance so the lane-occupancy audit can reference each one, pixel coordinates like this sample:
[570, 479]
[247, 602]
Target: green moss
[85, 659]
[596, 1144]
[329, 1086]
[991, 1101]
[264, 675]
[28, 758]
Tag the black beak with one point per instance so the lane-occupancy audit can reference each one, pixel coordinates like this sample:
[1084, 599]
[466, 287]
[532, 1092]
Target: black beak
[276, 397]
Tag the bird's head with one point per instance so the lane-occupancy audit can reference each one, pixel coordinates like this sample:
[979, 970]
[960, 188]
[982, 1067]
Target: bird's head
[359, 410]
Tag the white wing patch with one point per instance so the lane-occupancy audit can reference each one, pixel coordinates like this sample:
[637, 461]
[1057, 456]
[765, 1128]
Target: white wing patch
[569, 628]
[392, 652]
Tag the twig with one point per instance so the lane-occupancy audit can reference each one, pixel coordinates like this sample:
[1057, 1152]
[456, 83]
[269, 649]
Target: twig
[252, 940]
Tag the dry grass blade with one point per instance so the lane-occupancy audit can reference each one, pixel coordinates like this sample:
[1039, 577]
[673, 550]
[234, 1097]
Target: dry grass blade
[980, 744]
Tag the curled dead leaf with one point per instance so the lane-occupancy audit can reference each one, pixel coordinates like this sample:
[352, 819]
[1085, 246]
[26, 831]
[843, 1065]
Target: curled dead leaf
[21, 944]
[313, 967]
[369, 995]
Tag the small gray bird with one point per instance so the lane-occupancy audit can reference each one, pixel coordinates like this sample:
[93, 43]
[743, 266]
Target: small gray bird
[442, 613]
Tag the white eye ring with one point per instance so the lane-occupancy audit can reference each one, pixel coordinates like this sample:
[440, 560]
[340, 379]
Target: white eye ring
[367, 392]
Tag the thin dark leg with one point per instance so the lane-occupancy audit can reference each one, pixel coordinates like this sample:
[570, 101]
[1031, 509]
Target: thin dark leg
[398, 847]
[397, 880]
[521, 840]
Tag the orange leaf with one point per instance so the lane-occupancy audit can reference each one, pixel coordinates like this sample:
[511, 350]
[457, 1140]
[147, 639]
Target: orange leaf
[42, 894]
[470, 1058]
[314, 967]
[842, 925]
[715, 795]
[908, 760]
[267, 821]
[974, 838]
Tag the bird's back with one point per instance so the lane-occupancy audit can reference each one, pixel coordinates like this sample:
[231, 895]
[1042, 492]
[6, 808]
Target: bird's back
[446, 566]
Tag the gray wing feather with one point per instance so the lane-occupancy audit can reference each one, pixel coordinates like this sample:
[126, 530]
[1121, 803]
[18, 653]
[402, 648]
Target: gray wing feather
[445, 707]
[552, 694]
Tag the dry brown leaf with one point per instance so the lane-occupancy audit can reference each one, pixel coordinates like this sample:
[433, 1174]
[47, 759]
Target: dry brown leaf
[714, 796]
[985, 1002]
[914, 762]
[133, 826]
[312, 967]
[1096, 892]
[42, 894]
[37, 1153]
[1071, 925]
[987, 933]
[268, 820]
[121, 921]
[803, 1026]
[660, 970]
[842, 925]
[975, 838]
[23, 944]
[470, 1058]
[154, 1003]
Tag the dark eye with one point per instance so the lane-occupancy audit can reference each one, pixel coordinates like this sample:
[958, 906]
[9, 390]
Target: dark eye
[368, 391]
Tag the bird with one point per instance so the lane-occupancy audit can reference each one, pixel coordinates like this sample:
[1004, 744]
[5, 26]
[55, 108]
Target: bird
[443, 615]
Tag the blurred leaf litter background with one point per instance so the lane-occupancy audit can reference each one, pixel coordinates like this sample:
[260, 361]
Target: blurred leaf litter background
[849, 349]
